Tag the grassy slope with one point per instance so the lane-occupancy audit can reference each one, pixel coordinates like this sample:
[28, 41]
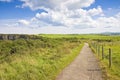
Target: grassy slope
[36, 59]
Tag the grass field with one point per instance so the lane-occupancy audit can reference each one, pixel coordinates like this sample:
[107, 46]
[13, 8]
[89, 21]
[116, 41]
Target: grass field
[108, 41]
[40, 59]
[44, 58]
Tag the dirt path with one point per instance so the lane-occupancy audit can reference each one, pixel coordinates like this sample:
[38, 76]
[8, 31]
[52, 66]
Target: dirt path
[84, 67]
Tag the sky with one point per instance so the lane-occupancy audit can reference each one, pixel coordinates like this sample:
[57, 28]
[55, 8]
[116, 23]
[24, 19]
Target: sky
[59, 16]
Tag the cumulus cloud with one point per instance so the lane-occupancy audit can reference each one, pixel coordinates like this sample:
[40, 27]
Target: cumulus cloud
[56, 4]
[67, 13]
[108, 22]
[68, 16]
[118, 16]
[96, 11]
[23, 22]
[70, 13]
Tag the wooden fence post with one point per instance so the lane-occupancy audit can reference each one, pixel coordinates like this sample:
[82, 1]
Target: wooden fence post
[110, 58]
[98, 50]
[102, 52]
[94, 45]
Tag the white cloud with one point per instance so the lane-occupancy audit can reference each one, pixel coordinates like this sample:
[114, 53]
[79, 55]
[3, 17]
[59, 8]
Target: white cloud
[118, 16]
[94, 11]
[65, 16]
[108, 22]
[67, 13]
[23, 22]
[75, 19]
[70, 18]
[56, 4]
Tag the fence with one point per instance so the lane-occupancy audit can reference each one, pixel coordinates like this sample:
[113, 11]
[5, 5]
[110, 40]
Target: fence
[99, 49]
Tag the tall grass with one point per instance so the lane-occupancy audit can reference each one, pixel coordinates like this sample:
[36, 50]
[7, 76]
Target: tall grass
[40, 59]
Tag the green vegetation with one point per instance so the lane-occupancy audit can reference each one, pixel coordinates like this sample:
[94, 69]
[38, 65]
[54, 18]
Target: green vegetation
[36, 59]
[42, 57]
[107, 41]
[113, 42]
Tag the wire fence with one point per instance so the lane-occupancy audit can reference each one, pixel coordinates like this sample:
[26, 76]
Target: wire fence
[100, 50]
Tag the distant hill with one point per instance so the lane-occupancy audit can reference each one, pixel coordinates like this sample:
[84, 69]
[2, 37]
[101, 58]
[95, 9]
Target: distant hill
[111, 33]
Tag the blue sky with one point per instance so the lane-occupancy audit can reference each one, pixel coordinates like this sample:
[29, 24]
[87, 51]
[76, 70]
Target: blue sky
[59, 16]
[9, 10]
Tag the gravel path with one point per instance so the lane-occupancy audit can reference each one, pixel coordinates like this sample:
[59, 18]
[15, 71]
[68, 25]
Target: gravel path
[84, 67]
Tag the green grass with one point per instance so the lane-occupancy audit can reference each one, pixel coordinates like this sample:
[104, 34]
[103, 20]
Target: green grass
[112, 42]
[41, 59]
[112, 73]
[44, 57]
